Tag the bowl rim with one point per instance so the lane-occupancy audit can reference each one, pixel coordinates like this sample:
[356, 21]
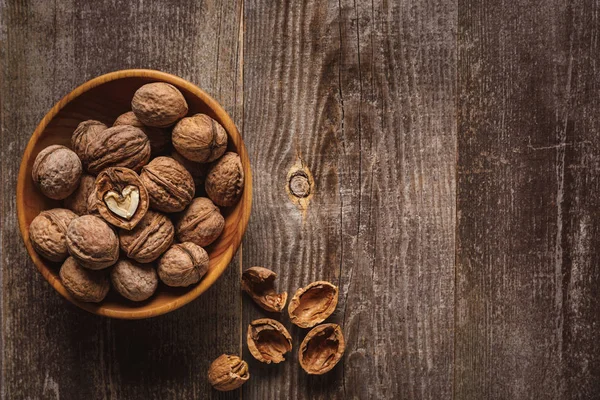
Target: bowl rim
[208, 280]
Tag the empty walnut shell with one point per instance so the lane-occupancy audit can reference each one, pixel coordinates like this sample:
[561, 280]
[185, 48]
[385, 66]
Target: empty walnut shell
[312, 304]
[78, 200]
[82, 283]
[56, 172]
[170, 186]
[183, 264]
[121, 197]
[321, 349]
[119, 146]
[200, 138]
[268, 340]
[136, 282]
[228, 372]
[197, 170]
[159, 138]
[84, 134]
[225, 180]
[200, 223]
[92, 242]
[259, 283]
[158, 104]
[149, 239]
[47, 233]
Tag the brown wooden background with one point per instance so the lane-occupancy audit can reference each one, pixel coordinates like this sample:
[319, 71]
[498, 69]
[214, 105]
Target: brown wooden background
[455, 154]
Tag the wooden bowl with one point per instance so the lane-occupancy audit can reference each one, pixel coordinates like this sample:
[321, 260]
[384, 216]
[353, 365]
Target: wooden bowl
[105, 98]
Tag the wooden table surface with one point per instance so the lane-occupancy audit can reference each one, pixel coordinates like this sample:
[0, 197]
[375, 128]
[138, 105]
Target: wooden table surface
[455, 155]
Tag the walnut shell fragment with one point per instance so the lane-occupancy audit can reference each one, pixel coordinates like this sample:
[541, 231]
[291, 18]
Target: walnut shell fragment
[159, 138]
[200, 138]
[170, 186]
[183, 264]
[136, 282]
[228, 372]
[121, 197]
[321, 349]
[92, 242]
[47, 233]
[150, 238]
[259, 283]
[312, 304]
[78, 200]
[119, 146]
[225, 180]
[82, 283]
[200, 223]
[84, 134]
[268, 340]
[158, 104]
[56, 171]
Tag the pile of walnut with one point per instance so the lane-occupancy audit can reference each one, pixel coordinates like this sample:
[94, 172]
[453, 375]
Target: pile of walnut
[121, 193]
[268, 340]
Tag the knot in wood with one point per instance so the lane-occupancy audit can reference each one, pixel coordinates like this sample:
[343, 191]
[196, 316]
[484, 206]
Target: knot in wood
[299, 184]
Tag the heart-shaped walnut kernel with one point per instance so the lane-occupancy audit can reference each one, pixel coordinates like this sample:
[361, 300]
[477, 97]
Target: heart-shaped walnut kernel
[312, 304]
[124, 204]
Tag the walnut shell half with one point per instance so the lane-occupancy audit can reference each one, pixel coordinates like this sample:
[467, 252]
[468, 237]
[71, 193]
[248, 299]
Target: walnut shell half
[228, 372]
[259, 283]
[200, 223]
[200, 138]
[136, 282]
[119, 146]
[149, 239]
[92, 242]
[160, 138]
[56, 171]
[268, 340]
[158, 104]
[225, 180]
[170, 185]
[321, 349]
[47, 233]
[313, 304]
[121, 197]
[82, 283]
[183, 265]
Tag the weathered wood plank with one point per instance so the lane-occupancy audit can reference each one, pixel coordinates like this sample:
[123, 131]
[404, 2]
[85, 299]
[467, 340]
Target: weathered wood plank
[527, 259]
[50, 348]
[362, 95]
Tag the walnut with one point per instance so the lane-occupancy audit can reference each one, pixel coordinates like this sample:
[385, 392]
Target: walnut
[200, 138]
[56, 172]
[183, 265]
[84, 134]
[225, 180]
[92, 242]
[268, 340]
[47, 233]
[321, 349]
[197, 170]
[82, 283]
[228, 372]
[200, 223]
[158, 104]
[259, 283]
[92, 203]
[312, 304]
[149, 239]
[78, 200]
[160, 138]
[136, 282]
[119, 146]
[170, 186]
[121, 197]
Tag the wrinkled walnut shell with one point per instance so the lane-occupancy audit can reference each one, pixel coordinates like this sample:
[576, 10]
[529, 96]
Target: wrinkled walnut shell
[119, 146]
[197, 170]
[259, 283]
[228, 373]
[158, 104]
[200, 138]
[84, 134]
[47, 233]
[56, 172]
[313, 304]
[136, 282]
[78, 200]
[268, 340]
[92, 242]
[183, 264]
[149, 239]
[170, 186]
[159, 138]
[225, 180]
[321, 349]
[82, 283]
[92, 203]
[200, 223]
[115, 182]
